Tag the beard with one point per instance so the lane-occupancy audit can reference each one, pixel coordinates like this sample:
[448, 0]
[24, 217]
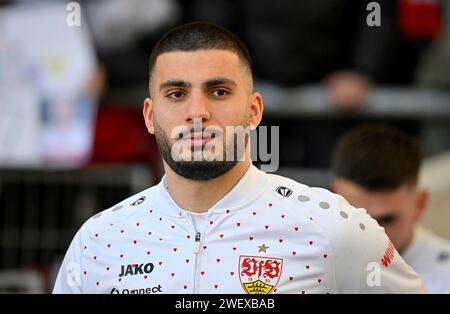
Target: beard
[202, 170]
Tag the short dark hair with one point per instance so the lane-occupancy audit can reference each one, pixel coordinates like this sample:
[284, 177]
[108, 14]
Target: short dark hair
[198, 36]
[378, 158]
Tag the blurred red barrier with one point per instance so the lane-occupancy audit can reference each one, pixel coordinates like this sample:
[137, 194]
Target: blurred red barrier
[121, 137]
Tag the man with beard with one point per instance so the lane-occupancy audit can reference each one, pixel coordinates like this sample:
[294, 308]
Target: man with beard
[215, 223]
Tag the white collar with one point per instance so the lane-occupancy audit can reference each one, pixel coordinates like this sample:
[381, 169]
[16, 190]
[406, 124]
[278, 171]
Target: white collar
[248, 188]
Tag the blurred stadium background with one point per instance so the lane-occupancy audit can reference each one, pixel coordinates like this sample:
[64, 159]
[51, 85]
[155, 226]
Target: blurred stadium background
[72, 137]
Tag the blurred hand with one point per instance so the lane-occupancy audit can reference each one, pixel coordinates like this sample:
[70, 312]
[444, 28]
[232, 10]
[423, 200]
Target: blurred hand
[97, 83]
[347, 89]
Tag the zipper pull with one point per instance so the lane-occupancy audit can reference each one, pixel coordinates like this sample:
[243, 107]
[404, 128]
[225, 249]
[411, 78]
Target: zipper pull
[197, 243]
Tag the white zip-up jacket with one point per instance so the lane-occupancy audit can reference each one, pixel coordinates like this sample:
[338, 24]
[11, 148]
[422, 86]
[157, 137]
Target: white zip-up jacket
[269, 234]
[429, 255]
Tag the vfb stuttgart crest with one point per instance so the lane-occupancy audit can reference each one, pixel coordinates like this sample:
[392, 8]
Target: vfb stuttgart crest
[259, 275]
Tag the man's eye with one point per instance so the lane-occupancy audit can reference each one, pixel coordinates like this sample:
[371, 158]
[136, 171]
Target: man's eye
[175, 95]
[386, 220]
[219, 92]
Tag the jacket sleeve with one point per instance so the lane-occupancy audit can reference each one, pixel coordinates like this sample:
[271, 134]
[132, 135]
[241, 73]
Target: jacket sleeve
[69, 279]
[365, 259]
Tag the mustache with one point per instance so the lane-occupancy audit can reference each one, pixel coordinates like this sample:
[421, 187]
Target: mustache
[188, 132]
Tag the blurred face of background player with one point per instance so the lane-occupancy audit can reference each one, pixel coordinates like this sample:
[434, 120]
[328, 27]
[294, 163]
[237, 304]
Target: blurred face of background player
[212, 86]
[396, 210]
[376, 168]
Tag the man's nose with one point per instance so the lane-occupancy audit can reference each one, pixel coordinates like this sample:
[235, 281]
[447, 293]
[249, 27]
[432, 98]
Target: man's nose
[198, 108]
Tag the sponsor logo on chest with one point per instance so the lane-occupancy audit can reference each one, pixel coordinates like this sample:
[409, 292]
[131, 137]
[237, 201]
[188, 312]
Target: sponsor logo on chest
[135, 269]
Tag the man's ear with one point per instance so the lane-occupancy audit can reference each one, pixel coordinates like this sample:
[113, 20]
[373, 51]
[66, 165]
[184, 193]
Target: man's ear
[256, 110]
[148, 115]
[421, 203]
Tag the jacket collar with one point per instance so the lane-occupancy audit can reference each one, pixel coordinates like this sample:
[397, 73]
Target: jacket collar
[248, 188]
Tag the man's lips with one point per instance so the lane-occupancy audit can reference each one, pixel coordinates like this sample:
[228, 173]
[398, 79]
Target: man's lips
[198, 139]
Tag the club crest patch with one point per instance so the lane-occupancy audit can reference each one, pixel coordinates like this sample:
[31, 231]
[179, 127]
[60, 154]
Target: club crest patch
[259, 274]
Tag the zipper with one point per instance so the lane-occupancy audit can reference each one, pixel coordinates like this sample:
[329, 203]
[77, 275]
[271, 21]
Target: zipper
[197, 243]
[197, 253]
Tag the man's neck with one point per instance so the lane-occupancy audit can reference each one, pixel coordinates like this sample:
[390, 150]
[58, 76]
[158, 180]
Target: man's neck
[200, 196]
[407, 244]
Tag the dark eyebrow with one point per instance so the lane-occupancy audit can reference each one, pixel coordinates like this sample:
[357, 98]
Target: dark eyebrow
[218, 81]
[175, 83]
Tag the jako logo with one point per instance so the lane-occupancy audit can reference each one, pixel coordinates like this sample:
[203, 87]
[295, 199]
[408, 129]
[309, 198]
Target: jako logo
[135, 269]
[284, 191]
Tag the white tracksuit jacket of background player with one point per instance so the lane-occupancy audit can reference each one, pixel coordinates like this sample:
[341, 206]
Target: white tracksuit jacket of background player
[429, 255]
[269, 234]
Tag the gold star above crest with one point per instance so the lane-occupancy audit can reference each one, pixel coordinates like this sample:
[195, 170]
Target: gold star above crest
[262, 248]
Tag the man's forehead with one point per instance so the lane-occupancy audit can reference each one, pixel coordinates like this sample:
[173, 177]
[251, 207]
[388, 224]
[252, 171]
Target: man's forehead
[217, 57]
[377, 203]
[196, 64]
